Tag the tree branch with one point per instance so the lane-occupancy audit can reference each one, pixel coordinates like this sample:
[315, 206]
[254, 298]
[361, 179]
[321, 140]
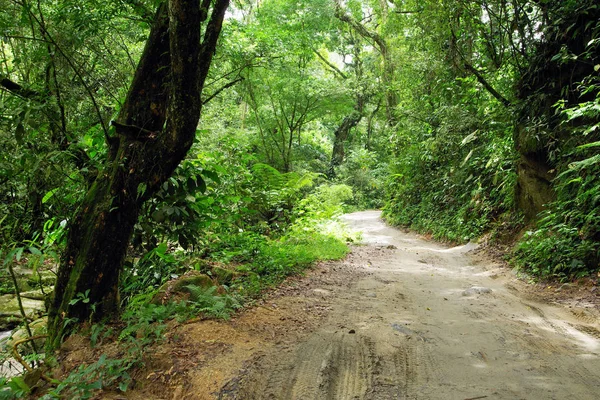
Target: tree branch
[133, 132]
[478, 75]
[18, 90]
[419, 10]
[226, 86]
[364, 32]
[51, 40]
[140, 8]
[211, 35]
[334, 69]
[409, 12]
[486, 85]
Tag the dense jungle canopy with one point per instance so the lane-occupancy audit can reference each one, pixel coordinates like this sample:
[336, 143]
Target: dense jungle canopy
[457, 118]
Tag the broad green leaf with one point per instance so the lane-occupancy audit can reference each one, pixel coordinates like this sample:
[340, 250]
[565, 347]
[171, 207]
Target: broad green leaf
[588, 145]
[19, 253]
[49, 195]
[18, 384]
[212, 175]
[35, 251]
[141, 189]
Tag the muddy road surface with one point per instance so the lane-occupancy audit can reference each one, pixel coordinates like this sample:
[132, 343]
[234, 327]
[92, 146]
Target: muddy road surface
[424, 321]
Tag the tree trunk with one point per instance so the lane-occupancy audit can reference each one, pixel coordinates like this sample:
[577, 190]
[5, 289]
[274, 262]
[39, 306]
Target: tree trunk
[388, 72]
[341, 135]
[155, 130]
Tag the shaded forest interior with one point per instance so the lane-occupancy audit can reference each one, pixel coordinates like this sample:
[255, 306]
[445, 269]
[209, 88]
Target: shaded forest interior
[167, 159]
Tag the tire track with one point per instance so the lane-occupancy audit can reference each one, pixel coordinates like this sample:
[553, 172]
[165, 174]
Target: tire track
[405, 374]
[327, 366]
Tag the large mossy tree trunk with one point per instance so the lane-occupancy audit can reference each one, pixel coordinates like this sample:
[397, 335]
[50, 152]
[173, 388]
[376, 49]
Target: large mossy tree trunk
[155, 129]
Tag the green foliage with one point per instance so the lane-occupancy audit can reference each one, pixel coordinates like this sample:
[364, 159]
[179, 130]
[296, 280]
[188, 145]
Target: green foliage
[209, 303]
[87, 380]
[275, 260]
[265, 262]
[145, 322]
[72, 63]
[326, 202]
[565, 242]
[144, 325]
[310, 236]
[456, 181]
[150, 271]
[366, 174]
[275, 194]
[436, 140]
[182, 207]
[13, 388]
[293, 254]
[452, 171]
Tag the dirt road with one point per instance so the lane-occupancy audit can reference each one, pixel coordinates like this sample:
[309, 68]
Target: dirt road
[422, 321]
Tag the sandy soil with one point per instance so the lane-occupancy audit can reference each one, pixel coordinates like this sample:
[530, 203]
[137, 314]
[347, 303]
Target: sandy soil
[400, 318]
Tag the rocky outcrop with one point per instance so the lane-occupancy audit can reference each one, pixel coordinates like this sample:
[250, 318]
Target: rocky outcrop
[38, 328]
[177, 289]
[534, 186]
[10, 314]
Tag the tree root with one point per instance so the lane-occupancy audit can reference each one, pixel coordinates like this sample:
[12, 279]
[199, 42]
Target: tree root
[17, 356]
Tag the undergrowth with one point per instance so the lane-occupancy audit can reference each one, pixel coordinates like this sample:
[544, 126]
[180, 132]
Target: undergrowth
[313, 232]
[454, 188]
[565, 242]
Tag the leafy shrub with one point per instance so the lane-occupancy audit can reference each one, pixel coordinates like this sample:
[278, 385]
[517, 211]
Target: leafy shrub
[13, 388]
[182, 207]
[208, 302]
[454, 185]
[275, 194]
[86, 380]
[150, 271]
[325, 202]
[365, 173]
[565, 242]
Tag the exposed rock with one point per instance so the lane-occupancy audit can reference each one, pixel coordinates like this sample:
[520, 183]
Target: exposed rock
[38, 328]
[46, 278]
[564, 286]
[224, 276]
[38, 294]
[534, 186]
[403, 329]
[547, 80]
[323, 292]
[176, 289]
[10, 367]
[32, 378]
[10, 314]
[8, 323]
[29, 280]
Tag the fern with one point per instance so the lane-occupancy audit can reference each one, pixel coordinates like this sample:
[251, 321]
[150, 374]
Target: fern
[208, 302]
[268, 177]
